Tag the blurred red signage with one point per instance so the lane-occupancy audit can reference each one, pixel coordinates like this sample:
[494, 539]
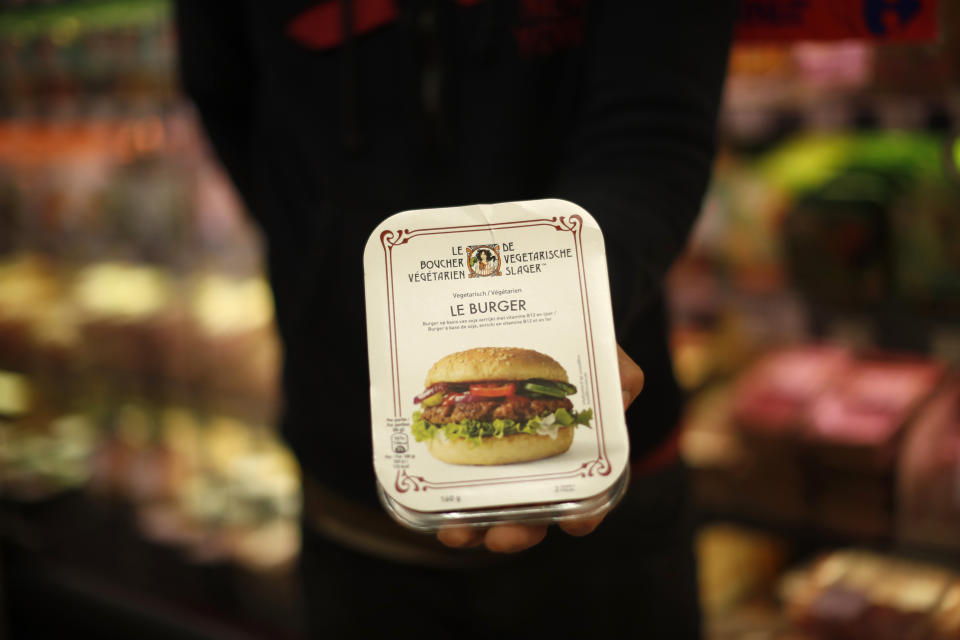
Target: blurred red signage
[879, 20]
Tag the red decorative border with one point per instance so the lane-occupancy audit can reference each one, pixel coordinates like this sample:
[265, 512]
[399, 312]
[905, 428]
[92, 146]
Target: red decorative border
[574, 224]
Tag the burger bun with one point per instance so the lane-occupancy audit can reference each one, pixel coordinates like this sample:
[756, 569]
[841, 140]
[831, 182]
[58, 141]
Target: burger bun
[495, 363]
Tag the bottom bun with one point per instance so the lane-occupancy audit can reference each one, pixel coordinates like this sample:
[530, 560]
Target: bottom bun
[521, 447]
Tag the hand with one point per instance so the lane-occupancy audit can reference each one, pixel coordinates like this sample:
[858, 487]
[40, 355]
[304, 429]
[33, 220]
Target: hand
[631, 377]
[511, 538]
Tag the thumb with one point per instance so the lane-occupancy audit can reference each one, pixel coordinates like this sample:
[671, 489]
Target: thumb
[631, 377]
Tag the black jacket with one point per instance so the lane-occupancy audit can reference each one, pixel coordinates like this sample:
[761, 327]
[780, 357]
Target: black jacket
[331, 116]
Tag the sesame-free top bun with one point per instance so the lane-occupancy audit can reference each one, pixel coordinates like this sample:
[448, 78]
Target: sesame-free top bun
[495, 363]
[520, 447]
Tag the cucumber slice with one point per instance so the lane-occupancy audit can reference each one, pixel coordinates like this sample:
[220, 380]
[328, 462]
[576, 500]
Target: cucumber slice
[568, 388]
[543, 389]
[433, 400]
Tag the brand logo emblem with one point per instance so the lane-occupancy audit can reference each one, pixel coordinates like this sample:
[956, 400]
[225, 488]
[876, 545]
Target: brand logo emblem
[483, 260]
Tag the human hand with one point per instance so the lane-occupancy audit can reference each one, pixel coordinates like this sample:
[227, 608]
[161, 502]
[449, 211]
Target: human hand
[512, 537]
[631, 377]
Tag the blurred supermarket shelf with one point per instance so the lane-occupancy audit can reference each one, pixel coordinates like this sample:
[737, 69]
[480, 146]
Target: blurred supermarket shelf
[87, 58]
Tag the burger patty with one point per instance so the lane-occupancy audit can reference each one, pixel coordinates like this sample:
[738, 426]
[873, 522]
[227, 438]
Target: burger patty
[516, 410]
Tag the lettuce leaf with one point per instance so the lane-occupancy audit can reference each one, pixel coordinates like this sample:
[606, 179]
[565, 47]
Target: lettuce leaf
[474, 430]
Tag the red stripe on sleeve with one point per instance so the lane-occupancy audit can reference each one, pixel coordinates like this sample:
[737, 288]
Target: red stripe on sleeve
[321, 26]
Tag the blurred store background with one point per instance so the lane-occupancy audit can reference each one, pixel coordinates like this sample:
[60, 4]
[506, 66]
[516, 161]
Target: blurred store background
[144, 490]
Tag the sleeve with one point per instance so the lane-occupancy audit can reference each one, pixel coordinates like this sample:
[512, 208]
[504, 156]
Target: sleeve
[641, 155]
[218, 75]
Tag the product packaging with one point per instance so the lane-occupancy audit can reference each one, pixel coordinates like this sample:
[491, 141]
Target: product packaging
[494, 384]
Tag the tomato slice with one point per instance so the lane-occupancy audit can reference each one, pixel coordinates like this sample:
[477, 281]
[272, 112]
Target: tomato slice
[493, 390]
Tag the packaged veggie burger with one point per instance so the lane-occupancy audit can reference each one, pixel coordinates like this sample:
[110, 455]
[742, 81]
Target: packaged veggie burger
[494, 385]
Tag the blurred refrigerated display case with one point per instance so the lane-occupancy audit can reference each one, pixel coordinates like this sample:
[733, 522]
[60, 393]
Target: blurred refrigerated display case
[138, 357]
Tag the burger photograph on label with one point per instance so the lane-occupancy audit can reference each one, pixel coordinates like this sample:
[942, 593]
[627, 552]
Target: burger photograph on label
[496, 405]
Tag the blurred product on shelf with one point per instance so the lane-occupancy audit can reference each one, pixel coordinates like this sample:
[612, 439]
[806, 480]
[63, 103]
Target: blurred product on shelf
[858, 595]
[858, 421]
[740, 225]
[126, 315]
[769, 410]
[736, 565]
[694, 356]
[775, 88]
[146, 212]
[41, 454]
[713, 450]
[928, 485]
[241, 353]
[131, 461]
[856, 430]
[739, 476]
[874, 222]
[210, 331]
[809, 436]
[840, 204]
[772, 398]
[236, 494]
[78, 59]
[34, 317]
[42, 458]
[218, 490]
[838, 243]
[16, 396]
[738, 572]
[945, 624]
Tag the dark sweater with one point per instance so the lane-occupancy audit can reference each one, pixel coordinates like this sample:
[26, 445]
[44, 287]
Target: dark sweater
[329, 120]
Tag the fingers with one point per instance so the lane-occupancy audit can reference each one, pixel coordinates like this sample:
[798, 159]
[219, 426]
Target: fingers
[501, 538]
[511, 538]
[461, 537]
[581, 527]
[631, 377]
